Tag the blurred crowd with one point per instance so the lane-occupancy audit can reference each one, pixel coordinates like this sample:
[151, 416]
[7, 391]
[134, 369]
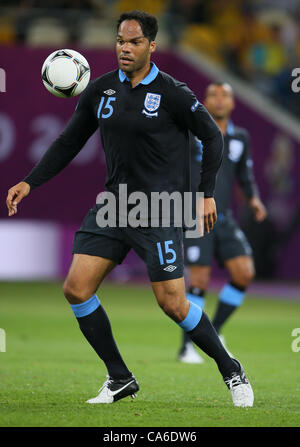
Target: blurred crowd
[258, 40]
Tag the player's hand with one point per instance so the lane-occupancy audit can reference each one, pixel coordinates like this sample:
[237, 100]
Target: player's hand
[207, 213]
[259, 210]
[15, 195]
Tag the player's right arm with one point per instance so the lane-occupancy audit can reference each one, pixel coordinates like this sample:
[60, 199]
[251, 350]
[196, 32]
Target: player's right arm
[192, 115]
[245, 177]
[81, 126]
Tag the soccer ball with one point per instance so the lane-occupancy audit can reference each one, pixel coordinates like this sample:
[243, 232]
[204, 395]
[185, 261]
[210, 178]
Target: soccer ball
[65, 73]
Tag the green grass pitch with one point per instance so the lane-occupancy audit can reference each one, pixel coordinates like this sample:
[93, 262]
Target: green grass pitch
[48, 370]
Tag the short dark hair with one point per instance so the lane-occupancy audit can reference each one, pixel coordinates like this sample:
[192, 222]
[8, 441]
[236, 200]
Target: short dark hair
[147, 22]
[220, 84]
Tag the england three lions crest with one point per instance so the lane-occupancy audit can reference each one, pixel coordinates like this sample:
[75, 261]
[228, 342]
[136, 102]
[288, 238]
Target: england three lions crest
[151, 103]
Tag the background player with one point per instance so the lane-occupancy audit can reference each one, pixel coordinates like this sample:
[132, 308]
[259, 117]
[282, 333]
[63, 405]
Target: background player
[226, 242]
[144, 116]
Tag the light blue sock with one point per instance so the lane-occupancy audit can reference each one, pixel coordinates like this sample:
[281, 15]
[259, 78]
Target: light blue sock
[86, 308]
[196, 299]
[232, 296]
[192, 319]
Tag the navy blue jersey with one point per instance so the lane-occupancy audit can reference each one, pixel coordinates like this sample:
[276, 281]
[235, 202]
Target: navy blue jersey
[144, 132]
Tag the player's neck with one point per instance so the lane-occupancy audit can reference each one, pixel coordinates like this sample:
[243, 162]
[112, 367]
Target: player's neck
[137, 76]
[222, 124]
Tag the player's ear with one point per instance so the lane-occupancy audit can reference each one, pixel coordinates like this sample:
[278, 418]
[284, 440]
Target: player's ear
[152, 46]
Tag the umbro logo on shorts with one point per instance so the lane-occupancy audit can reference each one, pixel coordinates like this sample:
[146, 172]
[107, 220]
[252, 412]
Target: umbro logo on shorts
[109, 92]
[170, 268]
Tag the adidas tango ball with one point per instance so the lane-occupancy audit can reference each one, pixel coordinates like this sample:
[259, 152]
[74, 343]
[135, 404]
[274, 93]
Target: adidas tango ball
[65, 73]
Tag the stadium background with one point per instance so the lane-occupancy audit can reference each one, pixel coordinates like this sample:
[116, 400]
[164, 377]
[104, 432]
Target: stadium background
[252, 44]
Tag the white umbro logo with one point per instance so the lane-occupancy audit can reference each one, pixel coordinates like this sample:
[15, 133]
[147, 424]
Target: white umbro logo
[170, 268]
[109, 92]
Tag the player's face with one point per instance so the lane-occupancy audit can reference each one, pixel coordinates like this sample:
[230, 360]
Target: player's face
[132, 47]
[219, 101]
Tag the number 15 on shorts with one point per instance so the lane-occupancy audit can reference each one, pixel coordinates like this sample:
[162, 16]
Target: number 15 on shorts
[164, 250]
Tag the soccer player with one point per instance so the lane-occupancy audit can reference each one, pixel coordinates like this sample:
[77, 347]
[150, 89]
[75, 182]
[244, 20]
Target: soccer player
[144, 116]
[226, 242]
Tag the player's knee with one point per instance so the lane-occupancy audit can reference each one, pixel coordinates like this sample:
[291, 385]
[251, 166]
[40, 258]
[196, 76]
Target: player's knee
[244, 277]
[173, 307]
[200, 278]
[201, 283]
[74, 293]
[69, 292]
[249, 274]
[174, 312]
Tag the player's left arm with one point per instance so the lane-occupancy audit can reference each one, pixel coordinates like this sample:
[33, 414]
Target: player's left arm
[246, 180]
[192, 115]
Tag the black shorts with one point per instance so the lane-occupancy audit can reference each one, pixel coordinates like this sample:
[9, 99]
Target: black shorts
[160, 248]
[226, 241]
